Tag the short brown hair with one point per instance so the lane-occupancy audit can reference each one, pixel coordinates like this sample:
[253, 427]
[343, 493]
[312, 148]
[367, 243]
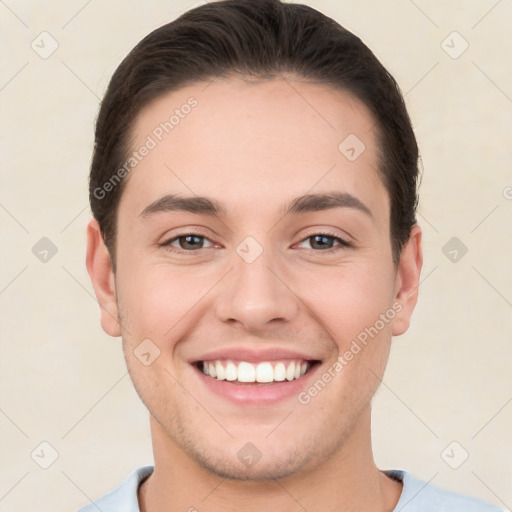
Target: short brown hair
[260, 39]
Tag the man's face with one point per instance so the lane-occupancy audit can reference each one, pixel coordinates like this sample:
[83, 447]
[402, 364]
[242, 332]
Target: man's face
[253, 280]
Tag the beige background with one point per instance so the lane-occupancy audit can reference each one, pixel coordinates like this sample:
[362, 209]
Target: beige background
[63, 380]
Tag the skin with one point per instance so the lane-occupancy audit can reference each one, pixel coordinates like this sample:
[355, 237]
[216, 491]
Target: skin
[254, 147]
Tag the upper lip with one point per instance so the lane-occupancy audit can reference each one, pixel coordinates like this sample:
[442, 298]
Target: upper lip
[252, 355]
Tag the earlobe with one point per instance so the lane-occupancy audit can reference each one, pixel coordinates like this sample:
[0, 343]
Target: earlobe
[99, 267]
[407, 280]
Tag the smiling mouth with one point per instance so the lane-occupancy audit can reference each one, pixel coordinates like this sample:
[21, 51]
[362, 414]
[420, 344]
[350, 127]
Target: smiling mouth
[257, 374]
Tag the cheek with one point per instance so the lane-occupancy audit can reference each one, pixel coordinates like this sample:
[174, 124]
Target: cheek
[154, 300]
[348, 300]
[354, 308]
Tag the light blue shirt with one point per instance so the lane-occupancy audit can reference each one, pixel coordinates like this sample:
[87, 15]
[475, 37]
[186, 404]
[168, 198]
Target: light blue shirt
[417, 496]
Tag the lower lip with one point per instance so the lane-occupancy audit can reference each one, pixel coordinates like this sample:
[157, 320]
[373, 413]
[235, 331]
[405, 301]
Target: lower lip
[257, 393]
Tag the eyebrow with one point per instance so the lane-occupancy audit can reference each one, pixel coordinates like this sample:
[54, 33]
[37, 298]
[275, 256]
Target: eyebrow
[303, 204]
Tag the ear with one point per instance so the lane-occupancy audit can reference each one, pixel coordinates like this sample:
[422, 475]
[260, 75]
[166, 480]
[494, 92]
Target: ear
[408, 280]
[100, 271]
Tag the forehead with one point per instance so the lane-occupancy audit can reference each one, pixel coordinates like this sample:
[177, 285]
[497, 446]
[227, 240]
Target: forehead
[244, 142]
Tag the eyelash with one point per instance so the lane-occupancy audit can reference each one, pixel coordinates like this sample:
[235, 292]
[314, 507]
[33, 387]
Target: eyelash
[342, 244]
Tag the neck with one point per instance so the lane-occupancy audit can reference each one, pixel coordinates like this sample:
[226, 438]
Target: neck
[348, 480]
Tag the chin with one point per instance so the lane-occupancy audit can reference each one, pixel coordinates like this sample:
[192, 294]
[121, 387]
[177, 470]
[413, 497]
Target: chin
[231, 468]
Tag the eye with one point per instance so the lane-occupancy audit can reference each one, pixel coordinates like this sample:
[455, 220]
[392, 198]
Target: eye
[325, 241]
[189, 242]
[193, 242]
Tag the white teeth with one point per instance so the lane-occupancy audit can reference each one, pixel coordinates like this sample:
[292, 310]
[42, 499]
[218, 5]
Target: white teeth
[290, 372]
[219, 370]
[261, 372]
[231, 372]
[264, 372]
[280, 372]
[246, 372]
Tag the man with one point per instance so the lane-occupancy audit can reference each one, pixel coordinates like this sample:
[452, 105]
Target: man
[255, 245]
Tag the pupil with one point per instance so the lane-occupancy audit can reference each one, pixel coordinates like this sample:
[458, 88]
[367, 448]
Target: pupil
[188, 243]
[324, 240]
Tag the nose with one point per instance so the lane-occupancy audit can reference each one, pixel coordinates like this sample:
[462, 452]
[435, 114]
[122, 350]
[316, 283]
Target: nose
[256, 294]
